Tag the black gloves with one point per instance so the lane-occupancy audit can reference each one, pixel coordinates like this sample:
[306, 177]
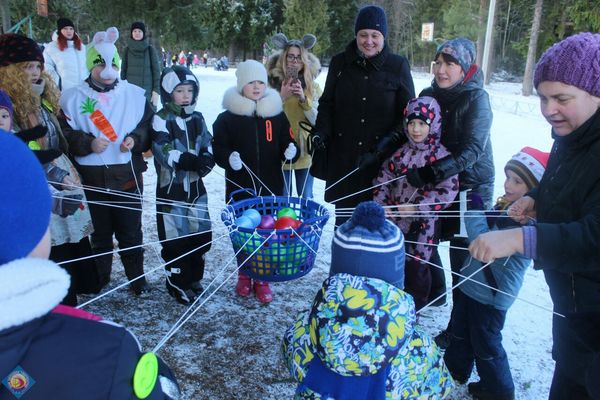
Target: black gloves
[419, 177]
[317, 141]
[368, 160]
[27, 135]
[188, 161]
[202, 164]
[68, 205]
[37, 132]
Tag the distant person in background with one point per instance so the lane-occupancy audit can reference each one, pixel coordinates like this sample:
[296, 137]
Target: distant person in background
[292, 72]
[140, 64]
[64, 57]
[361, 112]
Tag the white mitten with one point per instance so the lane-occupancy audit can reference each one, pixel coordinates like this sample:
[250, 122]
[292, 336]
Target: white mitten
[173, 157]
[290, 152]
[155, 99]
[235, 161]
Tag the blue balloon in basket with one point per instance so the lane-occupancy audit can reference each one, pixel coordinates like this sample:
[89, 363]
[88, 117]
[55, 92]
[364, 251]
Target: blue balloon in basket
[245, 222]
[253, 215]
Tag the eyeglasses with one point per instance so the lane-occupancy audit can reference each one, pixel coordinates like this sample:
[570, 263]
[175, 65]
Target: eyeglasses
[292, 58]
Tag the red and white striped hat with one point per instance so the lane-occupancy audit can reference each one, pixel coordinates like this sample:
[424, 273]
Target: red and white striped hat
[529, 164]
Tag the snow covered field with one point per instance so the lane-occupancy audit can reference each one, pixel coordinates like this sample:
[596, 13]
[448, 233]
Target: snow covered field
[230, 349]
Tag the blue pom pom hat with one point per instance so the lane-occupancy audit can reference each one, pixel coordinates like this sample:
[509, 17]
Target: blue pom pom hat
[369, 245]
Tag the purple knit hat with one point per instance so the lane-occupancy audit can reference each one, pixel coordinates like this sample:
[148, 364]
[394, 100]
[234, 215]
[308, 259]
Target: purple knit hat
[6, 103]
[573, 61]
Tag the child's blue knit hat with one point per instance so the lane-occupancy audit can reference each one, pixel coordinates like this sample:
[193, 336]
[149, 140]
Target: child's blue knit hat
[25, 198]
[369, 245]
[6, 103]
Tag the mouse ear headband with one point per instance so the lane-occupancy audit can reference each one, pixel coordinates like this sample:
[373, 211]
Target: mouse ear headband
[280, 41]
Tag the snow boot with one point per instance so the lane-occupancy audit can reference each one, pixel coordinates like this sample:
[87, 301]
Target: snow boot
[182, 296]
[478, 391]
[134, 267]
[244, 285]
[263, 292]
[197, 288]
[103, 269]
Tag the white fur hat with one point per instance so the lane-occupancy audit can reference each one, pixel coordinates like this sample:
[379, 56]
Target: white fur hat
[250, 71]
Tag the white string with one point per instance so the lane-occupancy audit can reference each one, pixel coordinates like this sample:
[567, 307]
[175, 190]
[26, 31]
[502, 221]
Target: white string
[257, 178]
[341, 179]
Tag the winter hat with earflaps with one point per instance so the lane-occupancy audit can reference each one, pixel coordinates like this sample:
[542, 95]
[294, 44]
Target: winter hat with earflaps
[369, 245]
[25, 198]
[172, 77]
[250, 71]
[573, 61]
[529, 164]
[101, 49]
[16, 48]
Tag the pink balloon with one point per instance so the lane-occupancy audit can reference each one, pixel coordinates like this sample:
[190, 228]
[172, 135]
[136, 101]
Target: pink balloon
[267, 222]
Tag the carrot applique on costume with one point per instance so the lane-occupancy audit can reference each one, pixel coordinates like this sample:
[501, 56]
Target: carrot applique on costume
[98, 118]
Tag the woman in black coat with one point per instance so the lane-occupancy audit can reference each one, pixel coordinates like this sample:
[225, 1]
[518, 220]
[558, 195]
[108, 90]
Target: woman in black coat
[565, 242]
[361, 110]
[466, 123]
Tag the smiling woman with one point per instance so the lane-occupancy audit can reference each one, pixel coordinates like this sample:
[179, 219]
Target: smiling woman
[361, 110]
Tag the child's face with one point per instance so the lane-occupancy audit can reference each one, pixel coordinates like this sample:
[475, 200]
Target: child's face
[514, 186]
[5, 119]
[183, 95]
[97, 70]
[137, 34]
[254, 90]
[33, 69]
[418, 130]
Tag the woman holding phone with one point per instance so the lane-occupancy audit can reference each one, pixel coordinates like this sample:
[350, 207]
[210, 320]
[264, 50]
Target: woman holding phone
[292, 72]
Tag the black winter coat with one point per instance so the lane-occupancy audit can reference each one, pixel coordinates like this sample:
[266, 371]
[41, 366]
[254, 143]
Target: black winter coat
[568, 239]
[466, 122]
[361, 111]
[260, 132]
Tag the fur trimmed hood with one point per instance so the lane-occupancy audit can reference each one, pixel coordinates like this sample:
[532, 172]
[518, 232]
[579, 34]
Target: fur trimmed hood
[276, 74]
[268, 106]
[31, 288]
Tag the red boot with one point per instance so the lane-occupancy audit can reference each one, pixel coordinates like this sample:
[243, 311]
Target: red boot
[263, 292]
[244, 285]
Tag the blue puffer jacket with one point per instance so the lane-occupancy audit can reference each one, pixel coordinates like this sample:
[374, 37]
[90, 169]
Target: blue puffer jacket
[505, 274]
[360, 341]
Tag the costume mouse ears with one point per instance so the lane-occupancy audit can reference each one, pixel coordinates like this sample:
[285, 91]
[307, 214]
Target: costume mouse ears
[280, 41]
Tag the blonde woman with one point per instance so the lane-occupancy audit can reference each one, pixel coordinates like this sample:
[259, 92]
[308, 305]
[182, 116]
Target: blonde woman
[292, 72]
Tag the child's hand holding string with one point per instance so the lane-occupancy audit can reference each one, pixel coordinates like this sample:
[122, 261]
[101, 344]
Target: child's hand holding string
[127, 144]
[522, 210]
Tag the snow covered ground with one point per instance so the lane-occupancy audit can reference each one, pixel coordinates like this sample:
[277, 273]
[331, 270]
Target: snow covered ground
[230, 349]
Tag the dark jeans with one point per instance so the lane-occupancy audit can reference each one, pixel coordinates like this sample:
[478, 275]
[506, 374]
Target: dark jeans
[477, 341]
[564, 388]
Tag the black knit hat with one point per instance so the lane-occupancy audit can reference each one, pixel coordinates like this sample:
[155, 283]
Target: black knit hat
[63, 22]
[16, 48]
[371, 17]
[139, 25]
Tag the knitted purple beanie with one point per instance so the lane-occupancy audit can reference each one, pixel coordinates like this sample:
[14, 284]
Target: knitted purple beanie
[573, 61]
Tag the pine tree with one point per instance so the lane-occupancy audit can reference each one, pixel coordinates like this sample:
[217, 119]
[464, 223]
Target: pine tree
[307, 16]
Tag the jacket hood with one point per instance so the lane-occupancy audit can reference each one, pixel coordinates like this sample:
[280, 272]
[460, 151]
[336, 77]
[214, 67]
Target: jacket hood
[36, 287]
[427, 109]
[445, 96]
[358, 324]
[269, 105]
[277, 75]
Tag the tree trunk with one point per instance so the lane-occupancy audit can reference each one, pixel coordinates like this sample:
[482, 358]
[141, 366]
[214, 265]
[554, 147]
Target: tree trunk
[483, 6]
[531, 51]
[5, 10]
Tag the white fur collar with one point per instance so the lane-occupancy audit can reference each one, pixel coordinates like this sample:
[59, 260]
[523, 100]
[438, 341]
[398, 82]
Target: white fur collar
[268, 106]
[30, 288]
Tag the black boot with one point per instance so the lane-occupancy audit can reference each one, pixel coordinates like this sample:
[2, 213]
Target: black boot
[104, 268]
[134, 267]
[182, 296]
[477, 390]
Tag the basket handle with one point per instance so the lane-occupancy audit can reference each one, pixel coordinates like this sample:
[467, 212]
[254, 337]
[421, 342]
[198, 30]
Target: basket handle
[247, 190]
